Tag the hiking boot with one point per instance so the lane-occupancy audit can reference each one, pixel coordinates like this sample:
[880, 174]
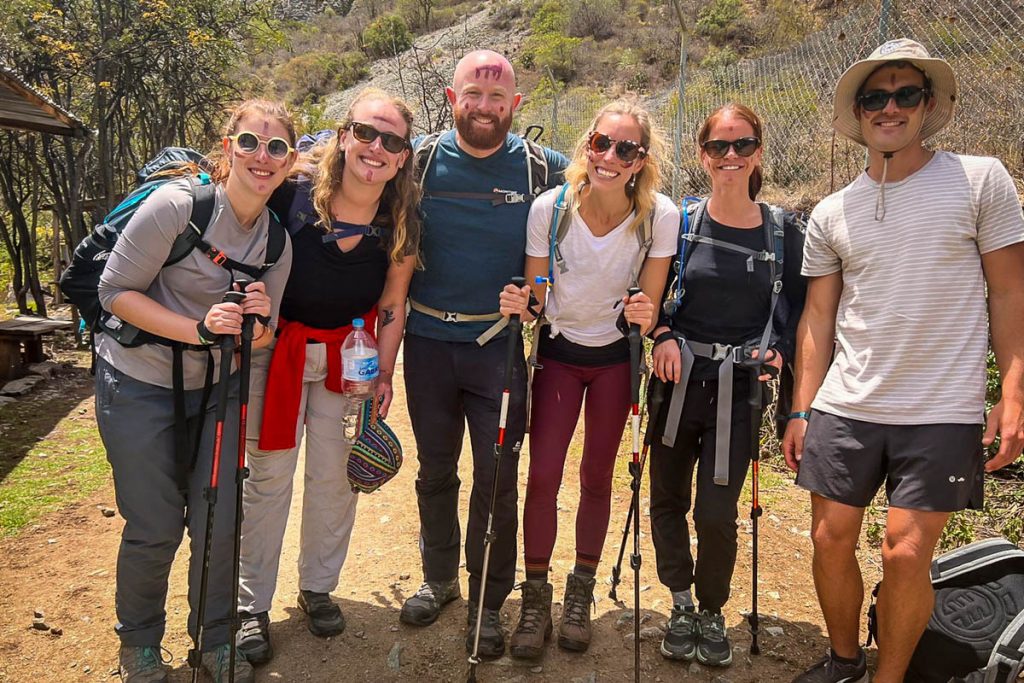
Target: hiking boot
[253, 637]
[325, 618]
[534, 627]
[680, 641]
[829, 670]
[141, 665]
[492, 638]
[217, 664]
[713, 647]
[574, 631]
[423, 608]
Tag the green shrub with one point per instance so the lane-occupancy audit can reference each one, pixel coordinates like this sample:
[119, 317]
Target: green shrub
[387, 36]
[716, 18]
[595, 18]
[552, 51]
[312, 75]
[718, 58]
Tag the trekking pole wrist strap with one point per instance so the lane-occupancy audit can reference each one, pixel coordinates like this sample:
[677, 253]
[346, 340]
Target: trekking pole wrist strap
[206, 337]
[664, 337]
[799, 415]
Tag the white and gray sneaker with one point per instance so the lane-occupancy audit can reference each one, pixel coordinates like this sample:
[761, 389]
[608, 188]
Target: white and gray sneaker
[141, 665]
[828, 670]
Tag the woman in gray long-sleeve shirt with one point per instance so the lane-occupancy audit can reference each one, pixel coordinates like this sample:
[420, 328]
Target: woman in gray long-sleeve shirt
[134, 387]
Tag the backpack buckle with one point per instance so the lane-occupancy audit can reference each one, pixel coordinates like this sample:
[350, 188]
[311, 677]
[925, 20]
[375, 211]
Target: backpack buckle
[219, 257]
[511, 196]
[777, 287]
[721, 351]
[449, 317]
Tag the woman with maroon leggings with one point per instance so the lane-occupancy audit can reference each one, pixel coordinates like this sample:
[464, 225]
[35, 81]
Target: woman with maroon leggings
[611, 195]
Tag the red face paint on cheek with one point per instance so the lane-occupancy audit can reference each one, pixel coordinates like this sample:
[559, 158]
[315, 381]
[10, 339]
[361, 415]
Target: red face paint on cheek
[369, 176]
[501, 109]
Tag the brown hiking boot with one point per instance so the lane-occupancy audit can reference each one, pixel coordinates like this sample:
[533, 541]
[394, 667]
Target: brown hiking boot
[574, 631]
[534, 627]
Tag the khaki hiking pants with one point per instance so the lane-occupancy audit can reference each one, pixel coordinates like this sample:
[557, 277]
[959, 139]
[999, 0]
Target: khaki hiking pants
[328, 503]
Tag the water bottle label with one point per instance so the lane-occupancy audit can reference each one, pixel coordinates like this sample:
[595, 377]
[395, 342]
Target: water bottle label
[363, 369]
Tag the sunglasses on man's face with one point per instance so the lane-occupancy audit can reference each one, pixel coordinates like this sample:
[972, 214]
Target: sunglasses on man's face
[627, 151]
[716, 149]
[249, 143]
[364, 132]
[906, 97]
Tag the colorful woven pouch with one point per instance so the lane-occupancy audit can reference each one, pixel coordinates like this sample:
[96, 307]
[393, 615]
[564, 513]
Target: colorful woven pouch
[376, 455]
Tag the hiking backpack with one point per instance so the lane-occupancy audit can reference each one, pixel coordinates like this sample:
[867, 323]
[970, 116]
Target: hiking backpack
[80, 281]
[976, 630]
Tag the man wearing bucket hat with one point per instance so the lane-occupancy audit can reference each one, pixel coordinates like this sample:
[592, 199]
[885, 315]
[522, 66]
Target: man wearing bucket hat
[899, 262]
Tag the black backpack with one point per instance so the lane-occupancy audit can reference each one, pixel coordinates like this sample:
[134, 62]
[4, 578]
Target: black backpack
[80, 281]
[976, 631]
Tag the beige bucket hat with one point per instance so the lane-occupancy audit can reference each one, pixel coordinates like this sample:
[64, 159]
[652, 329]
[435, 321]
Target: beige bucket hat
[938, 71]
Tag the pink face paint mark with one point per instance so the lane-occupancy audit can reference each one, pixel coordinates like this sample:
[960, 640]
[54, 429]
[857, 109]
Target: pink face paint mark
[501, 109]
[489, 71]
[369, 176]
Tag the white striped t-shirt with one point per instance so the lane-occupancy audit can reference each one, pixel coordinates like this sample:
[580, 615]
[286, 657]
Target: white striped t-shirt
[912, 326]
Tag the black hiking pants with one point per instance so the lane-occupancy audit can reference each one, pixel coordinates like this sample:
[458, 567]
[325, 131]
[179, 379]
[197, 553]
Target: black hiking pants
[449, 385]
[714, 510]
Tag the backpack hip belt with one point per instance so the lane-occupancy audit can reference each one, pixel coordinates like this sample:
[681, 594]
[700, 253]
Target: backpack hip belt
[452, 317]
[730, 357]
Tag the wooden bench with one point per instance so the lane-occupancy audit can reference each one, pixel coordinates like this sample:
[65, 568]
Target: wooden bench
[21, 343]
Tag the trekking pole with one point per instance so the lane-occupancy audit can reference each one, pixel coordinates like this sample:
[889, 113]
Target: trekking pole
[514, 334]
[756, 369]
[654, 402]
[227, 347]
[242, 473]
[635, 358]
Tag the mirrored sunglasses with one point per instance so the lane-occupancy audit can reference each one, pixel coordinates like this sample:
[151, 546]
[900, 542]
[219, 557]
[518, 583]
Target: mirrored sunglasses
[906, 97]
[364, 132]
[716, 149]
[627, 151]
[248, 143]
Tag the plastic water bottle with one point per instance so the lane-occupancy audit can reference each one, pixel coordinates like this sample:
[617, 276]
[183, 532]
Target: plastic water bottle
[359, 363]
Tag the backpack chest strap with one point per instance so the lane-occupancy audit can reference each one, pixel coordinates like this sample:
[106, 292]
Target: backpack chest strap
[496, 197]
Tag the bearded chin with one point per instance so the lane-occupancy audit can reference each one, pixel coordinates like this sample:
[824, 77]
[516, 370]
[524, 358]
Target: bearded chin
[479, 137]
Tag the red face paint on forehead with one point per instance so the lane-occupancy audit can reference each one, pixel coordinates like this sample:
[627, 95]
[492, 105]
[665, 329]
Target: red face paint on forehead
[488, 71]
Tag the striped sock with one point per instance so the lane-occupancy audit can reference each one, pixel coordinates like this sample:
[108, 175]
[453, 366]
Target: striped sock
[537, 570]
[586, 566]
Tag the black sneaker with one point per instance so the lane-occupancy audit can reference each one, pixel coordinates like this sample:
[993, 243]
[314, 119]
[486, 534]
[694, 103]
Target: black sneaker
[713, 646]
[829, 670]
[492, 638]
[423, 608]
[253, 637]
[325, 618]
[680, 641]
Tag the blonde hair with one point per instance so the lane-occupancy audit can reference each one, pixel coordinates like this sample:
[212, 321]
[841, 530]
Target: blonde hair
[647, 180]
[400, 196]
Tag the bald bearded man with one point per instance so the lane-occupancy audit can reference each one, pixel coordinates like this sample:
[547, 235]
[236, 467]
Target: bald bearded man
[477, 194]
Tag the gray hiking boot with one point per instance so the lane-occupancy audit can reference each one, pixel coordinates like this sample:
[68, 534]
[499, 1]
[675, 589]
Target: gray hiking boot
[325, 617]
[141, 665]
[492, 638]
[680, 641]
[253, 637]
[713, 646]
[423, 608]
[534, 627]
[828, 670]
[217, 663]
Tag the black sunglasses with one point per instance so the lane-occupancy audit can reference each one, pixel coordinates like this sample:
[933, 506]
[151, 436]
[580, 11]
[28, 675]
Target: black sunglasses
[716, 149]
[364, 132]
[626, 150]
[249, 143]
[907, 97]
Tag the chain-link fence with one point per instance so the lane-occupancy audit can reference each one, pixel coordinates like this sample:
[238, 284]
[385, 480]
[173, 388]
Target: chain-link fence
[792, 91]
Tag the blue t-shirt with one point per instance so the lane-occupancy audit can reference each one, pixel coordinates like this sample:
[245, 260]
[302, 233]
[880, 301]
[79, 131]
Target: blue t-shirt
[471, 248]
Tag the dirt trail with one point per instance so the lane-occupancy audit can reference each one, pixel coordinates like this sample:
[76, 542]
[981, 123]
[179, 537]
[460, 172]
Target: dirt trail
[64, 565]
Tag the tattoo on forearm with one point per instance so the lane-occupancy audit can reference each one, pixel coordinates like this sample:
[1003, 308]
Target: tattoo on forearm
[388, 317]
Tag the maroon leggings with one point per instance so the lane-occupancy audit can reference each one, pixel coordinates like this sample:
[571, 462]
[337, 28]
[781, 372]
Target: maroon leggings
[558, 391]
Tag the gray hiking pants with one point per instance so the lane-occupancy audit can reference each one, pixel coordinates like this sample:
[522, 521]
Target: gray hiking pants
[136, 422]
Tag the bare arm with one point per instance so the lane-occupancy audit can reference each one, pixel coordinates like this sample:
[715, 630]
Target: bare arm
[514, 301]
[652, 281]
[815, 336]
[391, 325]
[1004, 274]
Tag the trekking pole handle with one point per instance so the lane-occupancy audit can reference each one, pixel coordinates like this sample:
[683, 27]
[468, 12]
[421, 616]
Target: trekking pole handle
[635, 351]
[518, 282]
[248, 319]
[227, 341]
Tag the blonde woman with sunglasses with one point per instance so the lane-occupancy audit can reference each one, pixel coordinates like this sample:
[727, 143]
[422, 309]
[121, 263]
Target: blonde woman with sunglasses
[355, 232]
[612, 191]
[136, 399]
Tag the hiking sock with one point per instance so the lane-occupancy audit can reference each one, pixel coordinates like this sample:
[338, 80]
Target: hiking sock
[585, 566]
[845, 660]
[682, 598]
[537, 570]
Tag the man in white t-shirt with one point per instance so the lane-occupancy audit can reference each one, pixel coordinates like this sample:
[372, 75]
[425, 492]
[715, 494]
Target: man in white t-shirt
[899, 262]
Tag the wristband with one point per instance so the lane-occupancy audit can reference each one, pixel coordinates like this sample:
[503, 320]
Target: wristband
[799, 415]
[664, 336]
[206, 337]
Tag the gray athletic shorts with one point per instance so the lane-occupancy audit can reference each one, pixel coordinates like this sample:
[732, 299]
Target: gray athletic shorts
[934, 467]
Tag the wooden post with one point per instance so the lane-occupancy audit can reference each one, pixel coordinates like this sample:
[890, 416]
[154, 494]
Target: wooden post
[58, 296]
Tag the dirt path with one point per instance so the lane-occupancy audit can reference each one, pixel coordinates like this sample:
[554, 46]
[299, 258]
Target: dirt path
[64, 566]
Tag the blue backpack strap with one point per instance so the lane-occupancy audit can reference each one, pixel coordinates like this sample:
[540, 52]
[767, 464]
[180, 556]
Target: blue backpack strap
[559, 209]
